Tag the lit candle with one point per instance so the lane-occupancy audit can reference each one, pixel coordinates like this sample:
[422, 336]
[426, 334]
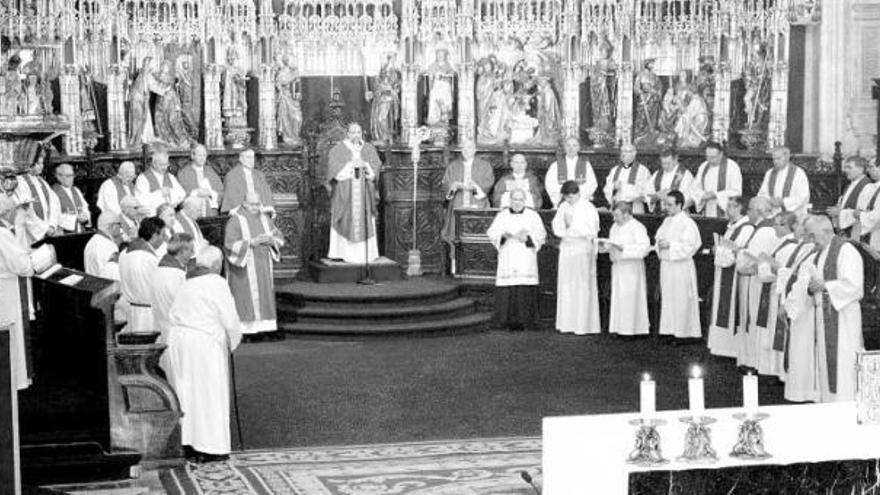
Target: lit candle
[695, 392]
[750, 393]
[648, 397]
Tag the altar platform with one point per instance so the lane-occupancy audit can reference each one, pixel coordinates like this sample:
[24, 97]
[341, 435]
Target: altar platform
[587, 454]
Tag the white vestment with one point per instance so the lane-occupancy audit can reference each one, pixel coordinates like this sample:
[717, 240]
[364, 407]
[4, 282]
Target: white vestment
[748, 338]
[666, 181]
[203, 328]
[629, 290]
[517, 262]
[136, 267]
[765, 305]
[101, 257]
[554, 187]
[108, 196]
[165, 284]
[634, 193]
[577, 294]
[151, 199]
[847, 216]
[721, 340]
[801, 384]
[183, 224]
[706, 181]
[680, 300]
[39, 191]
[798, 197]
[35, 227]
[14, 263]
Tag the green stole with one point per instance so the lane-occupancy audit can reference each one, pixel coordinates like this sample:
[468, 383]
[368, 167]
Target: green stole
[829, 313]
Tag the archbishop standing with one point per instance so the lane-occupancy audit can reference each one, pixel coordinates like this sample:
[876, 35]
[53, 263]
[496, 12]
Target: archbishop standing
[352, 168]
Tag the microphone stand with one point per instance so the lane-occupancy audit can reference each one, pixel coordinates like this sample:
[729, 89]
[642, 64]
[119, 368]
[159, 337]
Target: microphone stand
[368, 279]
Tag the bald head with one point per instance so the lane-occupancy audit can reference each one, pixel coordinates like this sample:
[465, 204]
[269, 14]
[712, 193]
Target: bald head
[211, 258]
[251, 202]
[106, 220]
[627, 154]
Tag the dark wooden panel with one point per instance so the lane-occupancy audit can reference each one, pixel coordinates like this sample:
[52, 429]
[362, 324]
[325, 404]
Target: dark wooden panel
[8, 427]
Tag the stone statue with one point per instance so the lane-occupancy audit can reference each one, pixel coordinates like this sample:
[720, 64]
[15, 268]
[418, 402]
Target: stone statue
[170, 128]
[289, 110]
[234, 90]
[549, 114]
[495, 129]
[486, 78]
[756, 101]
[648, 91]
[140, 121]
[603, 88]
[691, 121]
[14, 88]
[385, 102]
[91, 126]
[190, 100]
[706, 81]
[521, 124]
[441, 79]
[36, 95]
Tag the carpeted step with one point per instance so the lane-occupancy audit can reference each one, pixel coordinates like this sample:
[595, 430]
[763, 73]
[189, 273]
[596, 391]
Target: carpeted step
[472, 322]
[353, 297]
[375, 314]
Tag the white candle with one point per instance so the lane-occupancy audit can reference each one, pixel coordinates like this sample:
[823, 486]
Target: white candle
[750, 393]
[695, 392]
[648, 397]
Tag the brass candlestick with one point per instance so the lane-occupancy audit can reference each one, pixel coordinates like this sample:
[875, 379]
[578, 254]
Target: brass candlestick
[647, 452]
[750, 441]
[698, 441]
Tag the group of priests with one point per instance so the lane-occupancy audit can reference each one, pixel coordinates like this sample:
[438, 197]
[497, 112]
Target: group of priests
[787, 283]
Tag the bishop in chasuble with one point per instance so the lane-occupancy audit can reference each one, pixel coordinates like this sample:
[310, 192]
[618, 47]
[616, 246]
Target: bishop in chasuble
[252, 246]
[678, 239]
[517, 234]
[577, 294]
[627, 181]
[627, 245]
[519, 177]
[574, 167]
[827, 296]
[352, 168]
[244, 178]
[718, 179]
[725, 315]
[467, 182]
[786, 184]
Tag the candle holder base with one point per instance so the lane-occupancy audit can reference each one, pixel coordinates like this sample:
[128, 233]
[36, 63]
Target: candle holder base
[698, 441]
[750, 441]
[647, 451]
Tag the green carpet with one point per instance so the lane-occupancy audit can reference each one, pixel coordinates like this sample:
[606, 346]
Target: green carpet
[302, 392]
[475, 467]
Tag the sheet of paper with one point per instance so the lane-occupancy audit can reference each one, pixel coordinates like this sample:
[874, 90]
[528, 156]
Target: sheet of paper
[71, 280]
[43, 257]
[49, 272]
[67, 222]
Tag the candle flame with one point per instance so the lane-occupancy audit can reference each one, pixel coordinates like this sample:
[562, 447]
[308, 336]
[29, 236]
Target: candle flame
[696, 372]
[646, 377]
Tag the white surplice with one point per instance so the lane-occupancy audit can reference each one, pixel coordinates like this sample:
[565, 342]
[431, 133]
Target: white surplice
[203, 329]
[769, 360]
[136, 267]
[101, 257]
[799, 195]
[108, 196]
[629, 290]
[706, 181]
[847, 216]
[634, 193]
[801, 383]
[554, 187]
[666, 180]
[748, 338]
[164, 286]
[517, 262]
[680, 300]
[40, 193]
[151, 199]
[721, 341]
[14, 263]
[577, 294]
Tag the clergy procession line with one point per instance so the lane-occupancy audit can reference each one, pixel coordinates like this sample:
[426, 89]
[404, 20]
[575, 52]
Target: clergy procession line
[787, 283]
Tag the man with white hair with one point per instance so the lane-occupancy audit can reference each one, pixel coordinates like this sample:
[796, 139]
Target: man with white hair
[167, 278]
[130, 217]
[44, 201]
[786, 184]
[101, 254]
[467, 182]
[203, 328]
[574, 167]
[352, 169]
[252, 246]
[74, 216]
[519, 177]
[185, 222]
[136, 267]
[244, 178]
[157, 185]
[829, 288]
[627, 181]
[114, 189]
[199, 180]
[718, 179]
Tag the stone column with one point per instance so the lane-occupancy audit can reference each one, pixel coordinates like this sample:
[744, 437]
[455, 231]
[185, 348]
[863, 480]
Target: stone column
[116, 123]
[624, 121]
[721, 105]
[268, 131]
[213, 120]
[409, 99]
[69, 83]
[778, 105]
[571, 108]
[466, 111]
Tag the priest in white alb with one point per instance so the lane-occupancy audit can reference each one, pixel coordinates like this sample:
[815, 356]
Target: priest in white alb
[352, 168]
[786, 184]
[869, 216]
[517, 233]
[855, 198]
[114, 189]
[74, 215]
[725, 291]
[203, 329]
[571, 166]
[627, 245]
[718, 179]
[672, 176]
[677, 241]
[101, 254]
[157, 185]
[167, 279]
[44, 201]
[199, 180]
[627, 181]
[136, 267]
[577, 294]
[253, 246]
[830, 286]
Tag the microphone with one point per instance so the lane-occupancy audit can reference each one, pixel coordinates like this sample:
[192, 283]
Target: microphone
[528, 479]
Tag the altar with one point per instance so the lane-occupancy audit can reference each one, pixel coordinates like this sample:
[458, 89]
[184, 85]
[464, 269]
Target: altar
[587, 454]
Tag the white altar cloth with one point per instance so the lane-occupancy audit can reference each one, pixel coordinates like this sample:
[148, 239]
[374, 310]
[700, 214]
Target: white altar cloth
[587, 454]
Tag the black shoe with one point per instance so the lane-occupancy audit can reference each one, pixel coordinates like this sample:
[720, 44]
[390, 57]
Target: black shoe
[203, 458]
[251, 338]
